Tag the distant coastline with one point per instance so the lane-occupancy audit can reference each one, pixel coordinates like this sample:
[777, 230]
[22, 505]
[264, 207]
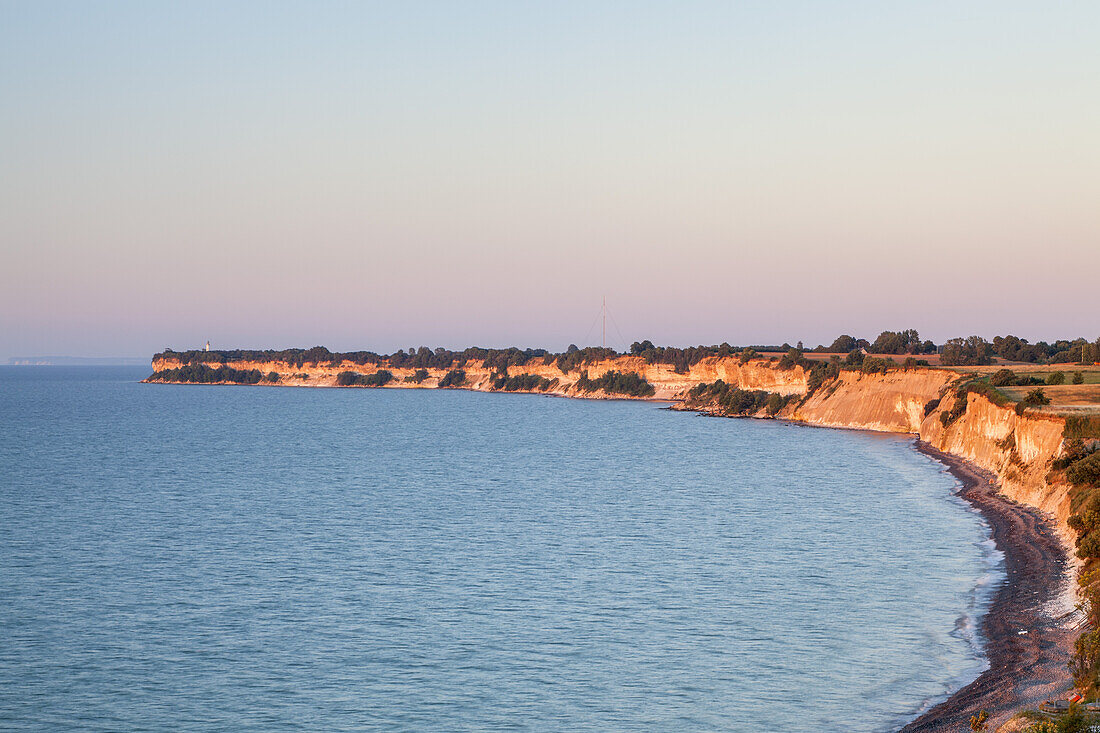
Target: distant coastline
[77, 361]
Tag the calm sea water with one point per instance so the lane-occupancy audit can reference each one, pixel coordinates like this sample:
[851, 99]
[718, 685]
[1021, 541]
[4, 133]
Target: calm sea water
[234, 558]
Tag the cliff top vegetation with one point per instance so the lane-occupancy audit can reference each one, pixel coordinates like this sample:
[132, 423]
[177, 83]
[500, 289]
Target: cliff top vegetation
[968, 351]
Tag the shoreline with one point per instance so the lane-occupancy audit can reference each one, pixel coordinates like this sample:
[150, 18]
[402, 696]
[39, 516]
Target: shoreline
[1024, 668]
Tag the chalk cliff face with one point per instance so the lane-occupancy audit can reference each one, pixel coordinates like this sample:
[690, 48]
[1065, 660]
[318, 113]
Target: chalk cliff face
[1017, 450]
[757, 374]
[892, 402]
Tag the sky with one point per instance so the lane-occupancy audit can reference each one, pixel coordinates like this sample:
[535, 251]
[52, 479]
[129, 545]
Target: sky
[384, 175]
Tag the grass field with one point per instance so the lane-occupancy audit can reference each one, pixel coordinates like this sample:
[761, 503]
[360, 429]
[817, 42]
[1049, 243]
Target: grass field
[1060, 394]
[1065, 399]
[1039, 371]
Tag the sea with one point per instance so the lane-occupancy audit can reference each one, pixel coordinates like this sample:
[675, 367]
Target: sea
[213, 558]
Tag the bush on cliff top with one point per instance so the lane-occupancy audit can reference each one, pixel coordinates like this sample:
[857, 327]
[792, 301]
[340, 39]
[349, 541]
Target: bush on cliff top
[1034, 398]
[958, 409]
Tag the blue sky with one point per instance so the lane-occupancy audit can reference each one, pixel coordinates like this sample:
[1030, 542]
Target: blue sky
[375, 175]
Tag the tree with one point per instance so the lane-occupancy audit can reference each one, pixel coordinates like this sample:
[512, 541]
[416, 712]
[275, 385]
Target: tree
[897, 342]
[317, 355]
[971, 351]
[845, 343]
[1037, 397]
[1078, 378]
[1057, 378]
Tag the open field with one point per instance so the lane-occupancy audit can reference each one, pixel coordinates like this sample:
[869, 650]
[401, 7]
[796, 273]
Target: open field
[1091, 373]
[1060, 394]
[932, 359]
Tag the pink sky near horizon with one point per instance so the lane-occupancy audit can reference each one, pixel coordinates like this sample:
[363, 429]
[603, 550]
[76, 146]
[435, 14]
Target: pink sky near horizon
[378, 177]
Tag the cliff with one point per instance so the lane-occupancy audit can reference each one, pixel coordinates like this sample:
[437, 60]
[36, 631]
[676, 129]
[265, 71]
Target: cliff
[669, 385]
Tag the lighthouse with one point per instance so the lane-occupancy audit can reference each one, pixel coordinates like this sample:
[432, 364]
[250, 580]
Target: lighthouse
[207, 348]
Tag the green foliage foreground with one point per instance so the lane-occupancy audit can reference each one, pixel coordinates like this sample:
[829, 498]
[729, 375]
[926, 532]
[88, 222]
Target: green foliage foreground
[1076, 720]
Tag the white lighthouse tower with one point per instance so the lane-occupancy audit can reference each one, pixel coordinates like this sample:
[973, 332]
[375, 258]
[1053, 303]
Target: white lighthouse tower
[207, 348]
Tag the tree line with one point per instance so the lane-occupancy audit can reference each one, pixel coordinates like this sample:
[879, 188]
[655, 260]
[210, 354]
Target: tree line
[962, 351]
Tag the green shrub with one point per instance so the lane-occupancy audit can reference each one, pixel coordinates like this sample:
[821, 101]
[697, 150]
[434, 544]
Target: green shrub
[1085, 664]
[791, 359]
[1037, 397]
[978, 386]
[820, 373]
[521, 383]
[354, 379]
[615, 382]
[1003, 378]
[1078, 378]
[1057, 378]
[199, 373]
[776, 402]
[1085, 471]
[417, 377]
[729, 400]
[380, 378]
[574, 357]
[453, 378]
[874, 365]
[272, 377]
